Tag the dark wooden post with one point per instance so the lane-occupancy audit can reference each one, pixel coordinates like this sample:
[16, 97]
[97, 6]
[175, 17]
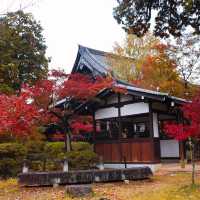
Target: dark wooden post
[120, 127]
[151, 130]
[181, 143]
[181, 146]
[155, 143]
[95, 129]
[119, 117]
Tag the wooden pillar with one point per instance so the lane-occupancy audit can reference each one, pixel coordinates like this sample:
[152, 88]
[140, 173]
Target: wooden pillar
[181, 148]
[95, 129]
[151, 130]
[181, 143]
[155, 141]
[120, 126]
[119, 117]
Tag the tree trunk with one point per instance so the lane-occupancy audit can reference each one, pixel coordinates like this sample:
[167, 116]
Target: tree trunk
[191, 145]
[68, 143]
[67, 140]
[193, 172]
[182, 157]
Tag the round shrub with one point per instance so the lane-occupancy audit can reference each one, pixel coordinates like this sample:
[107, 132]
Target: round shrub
[11, 158]
[12, 150]
[44, 156]
[85, 159]
[54, 149]
[35, 155]
[81, 146]
[81, 156]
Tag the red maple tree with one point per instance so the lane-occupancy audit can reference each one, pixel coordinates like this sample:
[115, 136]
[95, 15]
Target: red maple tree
[189, 128]
[53, 100]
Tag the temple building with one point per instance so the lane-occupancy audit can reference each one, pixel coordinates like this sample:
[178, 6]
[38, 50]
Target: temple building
[129, 127]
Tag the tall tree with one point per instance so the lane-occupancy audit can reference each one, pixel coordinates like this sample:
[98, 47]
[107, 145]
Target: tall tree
[159, 73]
[38, 104]
[148, 65]
[186, 52]
[22, 50]
[171, 16]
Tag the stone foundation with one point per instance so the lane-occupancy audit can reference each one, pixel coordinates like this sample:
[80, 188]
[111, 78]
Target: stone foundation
[83, 176]
[153, 167]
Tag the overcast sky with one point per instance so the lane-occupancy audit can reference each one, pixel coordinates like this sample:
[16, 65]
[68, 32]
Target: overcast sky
[68, 23]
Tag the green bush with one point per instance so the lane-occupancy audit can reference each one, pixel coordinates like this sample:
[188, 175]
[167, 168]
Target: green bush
[11, 158]
[54, 150]
[12, 150]
[81, 146]
[34, 147]
[81, 156]
[85, 159]
[9, 167]
[35, 155]
[44, 156]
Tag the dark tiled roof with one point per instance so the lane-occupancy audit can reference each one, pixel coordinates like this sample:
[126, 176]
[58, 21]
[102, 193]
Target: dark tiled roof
[95, 60]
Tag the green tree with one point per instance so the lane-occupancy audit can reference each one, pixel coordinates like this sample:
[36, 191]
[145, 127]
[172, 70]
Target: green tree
[171, 16]
[22, 51]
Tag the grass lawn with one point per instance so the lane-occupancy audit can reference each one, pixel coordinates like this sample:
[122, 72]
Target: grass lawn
[165, 187]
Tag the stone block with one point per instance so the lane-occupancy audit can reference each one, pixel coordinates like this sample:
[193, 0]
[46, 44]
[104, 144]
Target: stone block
[79, 190]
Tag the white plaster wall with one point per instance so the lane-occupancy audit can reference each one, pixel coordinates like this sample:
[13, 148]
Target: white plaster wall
[134, 109]
[169, 148]
[155, 125]
[106, 113]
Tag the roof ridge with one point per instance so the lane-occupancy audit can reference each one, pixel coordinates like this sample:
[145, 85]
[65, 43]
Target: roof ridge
[100, 52]
[94, 59]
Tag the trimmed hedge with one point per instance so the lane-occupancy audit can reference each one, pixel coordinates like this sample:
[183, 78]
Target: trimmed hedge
[11, 158]
[43, 156]
[84, 159]
[81, 156]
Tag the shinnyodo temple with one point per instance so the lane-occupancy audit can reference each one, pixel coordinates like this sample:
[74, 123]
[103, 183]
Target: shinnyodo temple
[129, 127]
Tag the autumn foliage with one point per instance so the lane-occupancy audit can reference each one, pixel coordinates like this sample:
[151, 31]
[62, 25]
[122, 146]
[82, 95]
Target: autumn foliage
[190, 127]
[158, 72]
[148, 63]
[16, 115]
[38, 104]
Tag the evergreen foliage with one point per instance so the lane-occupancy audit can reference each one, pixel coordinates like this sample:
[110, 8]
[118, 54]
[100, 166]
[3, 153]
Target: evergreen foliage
[22, 51]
